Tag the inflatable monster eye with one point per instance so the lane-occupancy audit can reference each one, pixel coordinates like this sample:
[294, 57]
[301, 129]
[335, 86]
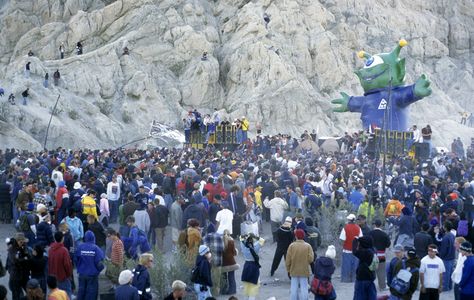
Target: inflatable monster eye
[373, 61]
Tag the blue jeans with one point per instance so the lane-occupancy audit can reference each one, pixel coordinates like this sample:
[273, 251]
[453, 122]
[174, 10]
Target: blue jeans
[239, 136]
[88, 287]
[113, 207]
[66, 286]
[151, 236]
[244, 135]
[168, 200]
[364, 290]
[202, 295]
[231, 285]
[299, 288]
[348, 267]
[187, 135]
[447, 282]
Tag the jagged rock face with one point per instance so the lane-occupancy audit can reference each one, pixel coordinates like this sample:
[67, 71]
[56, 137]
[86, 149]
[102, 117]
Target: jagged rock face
[282, 74]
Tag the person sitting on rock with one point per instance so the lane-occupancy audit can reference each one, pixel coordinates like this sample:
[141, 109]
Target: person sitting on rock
[30, 53]
[204, 56]
[11, 99]
[126, 51]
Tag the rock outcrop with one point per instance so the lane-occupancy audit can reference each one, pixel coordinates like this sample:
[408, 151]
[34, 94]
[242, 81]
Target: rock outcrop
[281, 74]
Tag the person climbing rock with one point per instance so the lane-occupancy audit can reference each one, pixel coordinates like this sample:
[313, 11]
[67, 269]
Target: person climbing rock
[204, 56]
[27, 69]
[2, 92]
[126, 51]
[25, 95]
[11, 99]
[56, 77]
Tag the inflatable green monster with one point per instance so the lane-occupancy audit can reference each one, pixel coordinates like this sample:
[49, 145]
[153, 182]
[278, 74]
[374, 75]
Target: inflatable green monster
[382, 79]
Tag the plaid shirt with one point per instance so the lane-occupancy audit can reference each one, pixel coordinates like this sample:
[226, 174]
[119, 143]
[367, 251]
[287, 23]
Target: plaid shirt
[216, 244]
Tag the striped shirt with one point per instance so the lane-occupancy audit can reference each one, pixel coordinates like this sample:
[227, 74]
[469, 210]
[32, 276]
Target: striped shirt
[116, 257]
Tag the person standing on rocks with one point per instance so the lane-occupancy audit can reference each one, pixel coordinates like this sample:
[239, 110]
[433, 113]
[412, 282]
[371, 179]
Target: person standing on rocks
[25, 95]
[2, 92]
[27, 69]
[46, 80]
[79, 48]
[56, 77]
[61, 50]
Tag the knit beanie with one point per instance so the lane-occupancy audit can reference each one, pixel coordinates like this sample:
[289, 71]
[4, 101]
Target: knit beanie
[299, 233]
[331, 252]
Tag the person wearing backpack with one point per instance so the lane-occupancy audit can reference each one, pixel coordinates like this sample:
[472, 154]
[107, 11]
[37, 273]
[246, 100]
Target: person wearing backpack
[323, 270]
[136, 239]
[27, 224]
[381, 243]
[363, 249]
[412, 265]
[201, 273]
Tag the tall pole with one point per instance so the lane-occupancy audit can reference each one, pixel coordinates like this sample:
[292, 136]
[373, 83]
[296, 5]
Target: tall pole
[49, 123]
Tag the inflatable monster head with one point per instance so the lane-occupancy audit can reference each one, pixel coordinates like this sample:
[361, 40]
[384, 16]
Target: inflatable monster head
[382, 70]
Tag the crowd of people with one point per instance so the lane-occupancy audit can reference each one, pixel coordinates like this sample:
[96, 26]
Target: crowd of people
[65, 205]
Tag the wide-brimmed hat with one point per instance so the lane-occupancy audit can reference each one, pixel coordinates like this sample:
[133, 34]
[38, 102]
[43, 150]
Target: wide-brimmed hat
[77, 185]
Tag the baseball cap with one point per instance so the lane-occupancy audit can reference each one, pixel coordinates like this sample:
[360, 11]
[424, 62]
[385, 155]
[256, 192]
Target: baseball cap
[398, 248]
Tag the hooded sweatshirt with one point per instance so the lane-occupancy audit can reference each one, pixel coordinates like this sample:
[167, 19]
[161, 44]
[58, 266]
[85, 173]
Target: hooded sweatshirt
[324, 268]
[59, 262]
[76, 228]
[89, 256]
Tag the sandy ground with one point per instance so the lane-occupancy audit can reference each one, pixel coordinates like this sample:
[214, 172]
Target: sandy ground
[277, 286]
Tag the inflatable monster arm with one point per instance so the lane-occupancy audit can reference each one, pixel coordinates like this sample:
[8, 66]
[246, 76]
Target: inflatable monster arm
[383, 78]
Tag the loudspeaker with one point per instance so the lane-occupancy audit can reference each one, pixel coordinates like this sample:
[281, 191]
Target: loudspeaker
[422, 151]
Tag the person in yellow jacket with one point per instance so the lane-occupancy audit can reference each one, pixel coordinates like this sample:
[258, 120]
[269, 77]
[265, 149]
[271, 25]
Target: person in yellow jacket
[245, 128]
[89, 205]
[364, 209]
[258, 196]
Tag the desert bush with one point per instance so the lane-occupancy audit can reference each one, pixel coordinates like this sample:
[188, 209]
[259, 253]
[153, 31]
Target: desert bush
[73, 114]
[126, 117]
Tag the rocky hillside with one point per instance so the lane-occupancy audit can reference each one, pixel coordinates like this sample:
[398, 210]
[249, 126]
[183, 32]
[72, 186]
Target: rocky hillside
[282, 74]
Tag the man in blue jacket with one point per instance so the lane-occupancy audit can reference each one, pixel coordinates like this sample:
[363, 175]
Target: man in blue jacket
[447, 253]
[467, 280]
[89, 264]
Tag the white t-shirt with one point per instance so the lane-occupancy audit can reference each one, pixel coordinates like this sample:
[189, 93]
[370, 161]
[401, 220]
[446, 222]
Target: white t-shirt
[224, 217]
[431, 268]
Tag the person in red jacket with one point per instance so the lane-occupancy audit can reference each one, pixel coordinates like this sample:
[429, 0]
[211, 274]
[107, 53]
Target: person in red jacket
[62, 202]
[59, 263]
[349, 261]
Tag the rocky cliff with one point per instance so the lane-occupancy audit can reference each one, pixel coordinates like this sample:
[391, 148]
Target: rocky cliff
[282, 74]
